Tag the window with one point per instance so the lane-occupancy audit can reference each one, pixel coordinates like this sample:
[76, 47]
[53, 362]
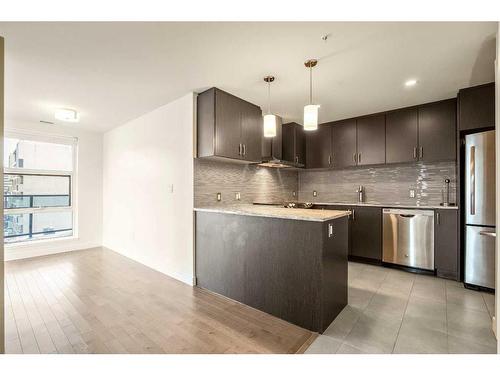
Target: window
[38, 180]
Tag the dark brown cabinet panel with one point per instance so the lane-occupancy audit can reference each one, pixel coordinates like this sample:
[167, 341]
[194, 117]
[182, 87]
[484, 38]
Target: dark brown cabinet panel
[319, 147]
[476, 107]
[371, 140]
[227, 124]
[401, 136]
[251, 133]
[437, 131]
[294, 143]
[446, 253]
[228, 127]
[344, 143]
[366, 233]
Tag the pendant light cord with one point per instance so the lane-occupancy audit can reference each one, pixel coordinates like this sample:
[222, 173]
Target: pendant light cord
[268, 98]
[310, 85]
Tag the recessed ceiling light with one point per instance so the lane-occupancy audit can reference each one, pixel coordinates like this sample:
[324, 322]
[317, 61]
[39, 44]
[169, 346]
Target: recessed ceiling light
[66, 114]
[411, 82]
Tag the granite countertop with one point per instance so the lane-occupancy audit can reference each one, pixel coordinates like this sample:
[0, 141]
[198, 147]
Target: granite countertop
[277, 212]
[375, 204]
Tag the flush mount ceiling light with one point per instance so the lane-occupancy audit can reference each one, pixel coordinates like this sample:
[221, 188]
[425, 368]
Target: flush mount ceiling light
[269, 118]
[66, 114]
[311, 110]
[411, 82]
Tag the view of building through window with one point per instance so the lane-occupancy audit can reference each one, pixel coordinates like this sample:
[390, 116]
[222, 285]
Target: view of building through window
[37, 189]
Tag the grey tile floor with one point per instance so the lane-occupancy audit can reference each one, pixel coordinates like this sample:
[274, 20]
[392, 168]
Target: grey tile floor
[392, 311]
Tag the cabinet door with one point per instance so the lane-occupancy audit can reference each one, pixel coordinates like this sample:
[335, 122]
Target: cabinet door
[344, 143]
[251, 132]
[288, 142]
[366, 232]
[300, 144]
[446, 256]
[476, 107]
[371, 140]
[227, 125]
[401, 131]
[437, 131]
[319, 147]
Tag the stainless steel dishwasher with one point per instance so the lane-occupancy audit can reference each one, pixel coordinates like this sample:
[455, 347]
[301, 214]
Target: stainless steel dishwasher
[408, 238]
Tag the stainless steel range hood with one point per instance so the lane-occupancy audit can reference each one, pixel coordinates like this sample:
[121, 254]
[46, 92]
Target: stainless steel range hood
[278, 163]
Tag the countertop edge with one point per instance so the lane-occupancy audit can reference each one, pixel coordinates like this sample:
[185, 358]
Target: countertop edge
[223, 210]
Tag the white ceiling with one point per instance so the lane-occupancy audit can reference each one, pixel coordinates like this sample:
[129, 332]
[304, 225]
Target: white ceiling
[114, 72]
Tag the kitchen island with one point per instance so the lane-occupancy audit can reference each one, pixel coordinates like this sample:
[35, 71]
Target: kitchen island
[290, 263]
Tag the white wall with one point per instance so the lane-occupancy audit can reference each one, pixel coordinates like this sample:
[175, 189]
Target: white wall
[143, 219]
[88, 193]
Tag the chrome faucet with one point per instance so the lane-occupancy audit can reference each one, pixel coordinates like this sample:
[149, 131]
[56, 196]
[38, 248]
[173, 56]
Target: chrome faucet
[361, 194]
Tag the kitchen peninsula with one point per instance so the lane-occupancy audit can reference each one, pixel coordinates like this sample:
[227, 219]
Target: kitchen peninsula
[291, 263]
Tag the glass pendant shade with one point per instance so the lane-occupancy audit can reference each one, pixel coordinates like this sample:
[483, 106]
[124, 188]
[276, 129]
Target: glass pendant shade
[269, 126]
[311, 117]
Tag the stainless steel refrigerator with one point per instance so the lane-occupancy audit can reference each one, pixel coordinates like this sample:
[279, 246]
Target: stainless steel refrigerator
[480, 226]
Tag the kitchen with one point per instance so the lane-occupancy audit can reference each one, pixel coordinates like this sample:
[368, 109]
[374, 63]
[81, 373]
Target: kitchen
[336, 200]
[405, 180]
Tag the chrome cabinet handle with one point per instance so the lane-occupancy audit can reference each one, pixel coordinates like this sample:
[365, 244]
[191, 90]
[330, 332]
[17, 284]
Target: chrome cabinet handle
[359, 158]
[438, 218]
[330, 230]
[353, 214]
[239, 149]
[415, 152]
[472, 167]
[486, 233]
[329, 159]
[354, 157]
[244, 149]
[421, 152]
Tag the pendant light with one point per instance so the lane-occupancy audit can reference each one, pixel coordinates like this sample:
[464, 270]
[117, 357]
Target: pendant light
[311, 110]
[269, 118]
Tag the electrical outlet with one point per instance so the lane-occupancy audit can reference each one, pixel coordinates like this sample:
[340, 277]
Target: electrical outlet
[219, 197]
[237, 196]
[412, 193]
[315, 193]
[294, 193]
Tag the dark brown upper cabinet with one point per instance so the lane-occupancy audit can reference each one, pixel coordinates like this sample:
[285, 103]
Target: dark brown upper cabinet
[228, 127]
[371, 140]
[437, 131]
[294, 143]
[344, 143]
[319, 147]
[401, 135]
[476, 107]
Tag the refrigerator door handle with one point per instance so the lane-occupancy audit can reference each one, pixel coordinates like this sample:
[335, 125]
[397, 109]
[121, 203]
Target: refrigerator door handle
[486, 233]
[472, 167]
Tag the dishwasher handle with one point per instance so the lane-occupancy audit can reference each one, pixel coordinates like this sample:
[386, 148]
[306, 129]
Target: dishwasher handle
[409, 216]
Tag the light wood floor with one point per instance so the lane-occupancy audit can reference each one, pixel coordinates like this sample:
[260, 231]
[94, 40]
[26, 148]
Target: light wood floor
[97, 301]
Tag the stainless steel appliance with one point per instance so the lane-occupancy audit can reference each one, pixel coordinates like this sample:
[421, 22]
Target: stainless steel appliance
[480, 230]
[408, 238]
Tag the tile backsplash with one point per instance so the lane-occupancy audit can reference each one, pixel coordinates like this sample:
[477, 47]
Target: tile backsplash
[254, 183]
[382, 184]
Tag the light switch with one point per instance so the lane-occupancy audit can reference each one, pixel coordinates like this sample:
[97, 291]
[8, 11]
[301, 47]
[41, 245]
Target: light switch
[219, 197]
[412, 193]
[171, 188]
[238, 196]
[315, 193]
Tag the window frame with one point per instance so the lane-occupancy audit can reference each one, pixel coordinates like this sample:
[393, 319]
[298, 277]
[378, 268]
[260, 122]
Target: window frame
[37, 137]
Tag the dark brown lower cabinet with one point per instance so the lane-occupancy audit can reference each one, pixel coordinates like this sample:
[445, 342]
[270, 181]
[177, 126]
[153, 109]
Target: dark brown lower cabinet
[446, 252]
[293, 269]
[366, 233]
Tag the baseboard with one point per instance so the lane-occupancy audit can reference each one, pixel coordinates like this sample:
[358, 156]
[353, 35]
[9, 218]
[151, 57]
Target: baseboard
[46, 248]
